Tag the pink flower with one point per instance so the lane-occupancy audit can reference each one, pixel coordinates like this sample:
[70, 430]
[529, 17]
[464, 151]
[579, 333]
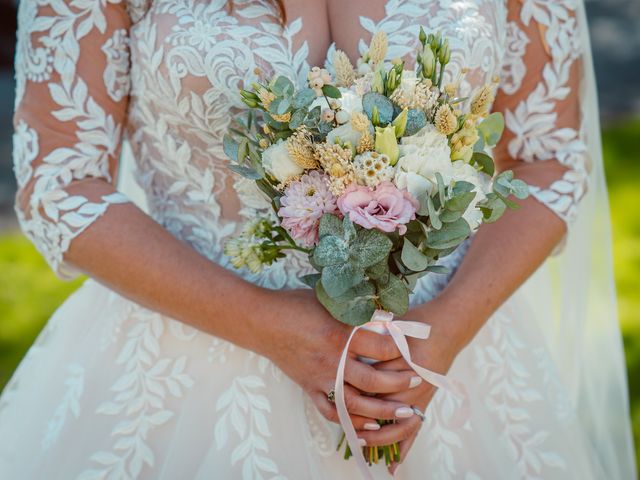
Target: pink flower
[385, 208]
[303, 204]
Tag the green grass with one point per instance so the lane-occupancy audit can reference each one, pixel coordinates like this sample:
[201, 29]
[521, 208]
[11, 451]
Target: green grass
[29, 291]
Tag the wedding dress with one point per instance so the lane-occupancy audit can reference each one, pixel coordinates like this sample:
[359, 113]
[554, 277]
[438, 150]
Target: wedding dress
[112, 390]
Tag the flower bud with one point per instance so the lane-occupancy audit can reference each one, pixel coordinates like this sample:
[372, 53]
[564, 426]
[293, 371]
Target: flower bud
[400, 123]
[386, 143]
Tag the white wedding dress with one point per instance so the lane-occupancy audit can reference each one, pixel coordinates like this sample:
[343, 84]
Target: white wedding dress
[112, 390]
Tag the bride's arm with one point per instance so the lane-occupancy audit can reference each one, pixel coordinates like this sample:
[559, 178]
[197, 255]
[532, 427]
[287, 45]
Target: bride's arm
[543, 145]
[71, 106]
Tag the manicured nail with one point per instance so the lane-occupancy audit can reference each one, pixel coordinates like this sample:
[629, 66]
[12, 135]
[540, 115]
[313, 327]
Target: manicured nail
[415, 381]
[362, 442]
[404, 412]
[371, 426]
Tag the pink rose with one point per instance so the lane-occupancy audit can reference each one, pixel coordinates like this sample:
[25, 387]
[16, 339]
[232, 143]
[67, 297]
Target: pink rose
[385, 208]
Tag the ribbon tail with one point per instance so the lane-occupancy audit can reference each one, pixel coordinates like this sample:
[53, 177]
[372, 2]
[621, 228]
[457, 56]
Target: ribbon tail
[343, 414]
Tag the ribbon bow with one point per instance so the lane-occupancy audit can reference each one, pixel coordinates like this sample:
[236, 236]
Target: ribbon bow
[399, 330]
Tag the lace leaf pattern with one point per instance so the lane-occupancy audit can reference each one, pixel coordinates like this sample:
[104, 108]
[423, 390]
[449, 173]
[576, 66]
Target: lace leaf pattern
[244, 411]
[511, 397]
[140, 394]
[70, 405]
[48, 54]
[534, 121]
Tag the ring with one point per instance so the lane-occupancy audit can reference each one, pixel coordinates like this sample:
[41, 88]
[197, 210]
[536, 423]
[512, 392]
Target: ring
[418, 413]
[331, 396]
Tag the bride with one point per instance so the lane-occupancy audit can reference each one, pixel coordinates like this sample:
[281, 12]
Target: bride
[168, 364]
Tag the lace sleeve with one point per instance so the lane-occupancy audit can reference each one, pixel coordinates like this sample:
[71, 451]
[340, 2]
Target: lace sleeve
[539, 95]
[72, 73]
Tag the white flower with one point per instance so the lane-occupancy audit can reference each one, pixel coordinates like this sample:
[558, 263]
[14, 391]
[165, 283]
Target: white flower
[350, 102]
[279, 164]
[422, 156]
[408, 83]
[344, 133]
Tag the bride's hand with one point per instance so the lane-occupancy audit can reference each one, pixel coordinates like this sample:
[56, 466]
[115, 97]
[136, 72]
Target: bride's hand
[304, 341]
[436, 353]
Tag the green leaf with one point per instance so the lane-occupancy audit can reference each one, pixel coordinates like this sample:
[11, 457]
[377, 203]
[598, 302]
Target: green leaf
[370, 247]
[337, 279]
[378, 271]
[311, 279]
[519, 189]
[460, 202]
[304, 98]
[433, 214]
[491, 128]
[441, 194]
[449, 216]
[297, 118]
[382, 104]
[485, 162]
[355, 307]
[413, 258]
[416, 120]
[330, 225]
[246, 172]
[451, 235]
[230, 147]
[331, 251]
[331, 91]
[349, 229]
[394, 296]
[282, 86]
[439, 269]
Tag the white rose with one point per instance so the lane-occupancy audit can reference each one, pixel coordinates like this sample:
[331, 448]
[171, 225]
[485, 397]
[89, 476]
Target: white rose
[422, 156]
[277, 162]
[350, 102]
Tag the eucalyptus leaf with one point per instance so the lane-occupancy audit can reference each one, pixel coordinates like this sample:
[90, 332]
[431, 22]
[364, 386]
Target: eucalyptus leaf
[485, 162]
[416, 121]
[304, 98]
[378, 271]
[381, 103]
[491, 128]
[331, 250]
[519, 189]
[330, 225]
[449, 216]
[441, 193]
[394, 296]
[413, 258]
[349, 230]
[331, 91]
[451, 235]
[433, 215]
[460, 202]
[337, 279]
[370, 247]
[355, 307]
[246, 172]
[230, 147]
[440, 269]
[297, 118]
[282, 86]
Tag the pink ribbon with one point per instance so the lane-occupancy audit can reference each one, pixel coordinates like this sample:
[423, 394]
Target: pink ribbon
[398, 329]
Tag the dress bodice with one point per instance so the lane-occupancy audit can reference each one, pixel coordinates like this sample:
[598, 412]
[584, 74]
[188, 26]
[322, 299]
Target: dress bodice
[168, 72]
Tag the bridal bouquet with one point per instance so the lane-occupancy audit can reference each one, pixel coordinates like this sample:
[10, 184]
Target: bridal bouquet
[376, 172]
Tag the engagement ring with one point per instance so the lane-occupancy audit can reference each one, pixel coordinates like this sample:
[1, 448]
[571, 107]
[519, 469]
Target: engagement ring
[331, 396]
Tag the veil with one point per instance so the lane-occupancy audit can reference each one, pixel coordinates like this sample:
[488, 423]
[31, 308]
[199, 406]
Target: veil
[580, 317]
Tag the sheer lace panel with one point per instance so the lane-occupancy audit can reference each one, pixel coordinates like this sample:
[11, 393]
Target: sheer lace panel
[541, 101]
[72, 67]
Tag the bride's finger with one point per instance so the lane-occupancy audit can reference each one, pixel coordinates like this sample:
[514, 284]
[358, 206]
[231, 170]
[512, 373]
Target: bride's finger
[373, 345]
[367, 379]
[328, 411]
[395, 364]
[371, 407]
[391, 433]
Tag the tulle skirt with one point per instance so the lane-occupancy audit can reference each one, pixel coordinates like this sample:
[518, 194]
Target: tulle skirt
[111, 390]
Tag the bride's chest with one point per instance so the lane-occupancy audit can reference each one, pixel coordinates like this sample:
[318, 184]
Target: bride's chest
[207, 48]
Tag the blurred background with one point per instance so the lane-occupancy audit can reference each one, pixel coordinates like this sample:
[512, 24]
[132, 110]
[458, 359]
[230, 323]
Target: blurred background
[29, 291]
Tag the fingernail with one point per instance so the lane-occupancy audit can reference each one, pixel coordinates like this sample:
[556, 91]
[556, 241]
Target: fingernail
[404, 412]
[415, 381]
[362, 442]
[371, 426]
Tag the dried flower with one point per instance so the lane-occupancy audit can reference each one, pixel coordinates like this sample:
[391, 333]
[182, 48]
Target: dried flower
[266, 97]
[300, 148]
[360, 122]
[446, 122]
[378, 47]
[415, 94]
[336, 161]
[366, 143]
[482, 100]
[345, 74]
[372, 168]
[282, 118]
